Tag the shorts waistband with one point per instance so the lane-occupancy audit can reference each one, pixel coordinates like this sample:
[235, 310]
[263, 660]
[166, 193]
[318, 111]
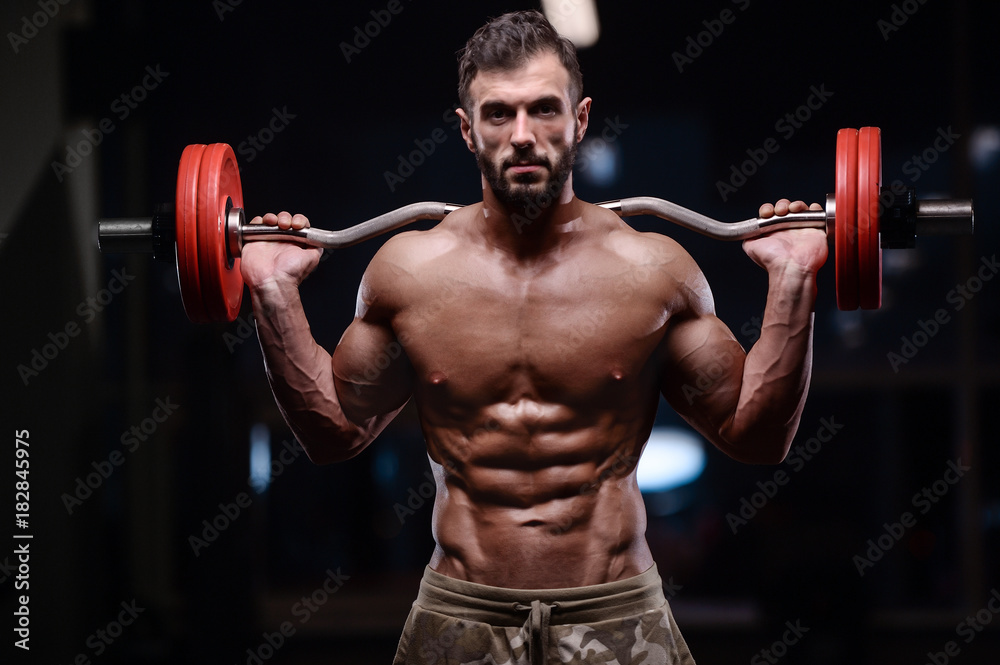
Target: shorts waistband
[500, 606]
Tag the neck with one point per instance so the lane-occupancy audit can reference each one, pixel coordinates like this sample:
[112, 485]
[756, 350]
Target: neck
[535, 231]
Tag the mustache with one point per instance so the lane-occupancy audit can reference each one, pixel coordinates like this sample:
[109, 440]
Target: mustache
[525, 159]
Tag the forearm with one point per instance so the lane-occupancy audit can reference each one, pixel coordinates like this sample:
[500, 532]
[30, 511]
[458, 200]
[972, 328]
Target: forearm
[301, 376]
[776, 371]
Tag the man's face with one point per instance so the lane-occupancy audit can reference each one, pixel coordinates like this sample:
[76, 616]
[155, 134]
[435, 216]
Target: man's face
[524, 130]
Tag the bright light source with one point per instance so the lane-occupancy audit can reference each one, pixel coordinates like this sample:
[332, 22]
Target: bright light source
[673, 457]
[260, 458]
[984, 146]
[598, 162]
[574, 19]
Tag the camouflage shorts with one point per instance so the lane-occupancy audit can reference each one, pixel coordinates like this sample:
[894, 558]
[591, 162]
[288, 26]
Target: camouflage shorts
[628, 622]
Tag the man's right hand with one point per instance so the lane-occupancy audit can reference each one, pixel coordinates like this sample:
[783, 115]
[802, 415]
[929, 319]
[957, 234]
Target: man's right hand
[265, 262]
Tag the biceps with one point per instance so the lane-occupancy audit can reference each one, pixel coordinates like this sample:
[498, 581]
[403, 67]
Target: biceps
[703, 372]
[371, 372]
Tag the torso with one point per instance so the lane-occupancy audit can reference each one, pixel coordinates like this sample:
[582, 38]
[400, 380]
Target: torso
[537, 385]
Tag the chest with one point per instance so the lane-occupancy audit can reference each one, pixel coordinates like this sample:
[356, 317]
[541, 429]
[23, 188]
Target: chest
[566, 334]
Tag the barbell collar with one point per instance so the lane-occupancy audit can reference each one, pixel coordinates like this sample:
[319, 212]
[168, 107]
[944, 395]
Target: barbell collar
[235, 221]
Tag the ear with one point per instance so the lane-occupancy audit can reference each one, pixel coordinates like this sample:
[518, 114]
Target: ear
[582, 117]
[466, 128]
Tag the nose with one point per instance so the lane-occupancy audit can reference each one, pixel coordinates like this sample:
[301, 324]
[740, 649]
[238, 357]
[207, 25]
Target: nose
[522, 135]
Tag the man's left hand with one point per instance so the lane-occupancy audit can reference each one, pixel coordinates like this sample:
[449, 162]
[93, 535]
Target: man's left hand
[801, 249]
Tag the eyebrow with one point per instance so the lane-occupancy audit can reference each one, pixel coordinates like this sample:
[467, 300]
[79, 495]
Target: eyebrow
[551, 100]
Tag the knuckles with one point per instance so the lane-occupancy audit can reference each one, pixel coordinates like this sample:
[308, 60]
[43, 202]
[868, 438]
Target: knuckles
[283, 220]
[784, 206]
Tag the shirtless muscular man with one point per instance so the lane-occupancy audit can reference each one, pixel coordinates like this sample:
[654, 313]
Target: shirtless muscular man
[538, 521]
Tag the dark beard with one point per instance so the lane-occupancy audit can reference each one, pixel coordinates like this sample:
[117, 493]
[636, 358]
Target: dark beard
[519, 196]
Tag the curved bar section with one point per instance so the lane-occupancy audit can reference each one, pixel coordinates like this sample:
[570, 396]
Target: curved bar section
[313, 237]
[693, 221]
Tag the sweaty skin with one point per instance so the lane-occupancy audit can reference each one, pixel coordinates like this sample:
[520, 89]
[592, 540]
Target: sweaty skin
[535, 349]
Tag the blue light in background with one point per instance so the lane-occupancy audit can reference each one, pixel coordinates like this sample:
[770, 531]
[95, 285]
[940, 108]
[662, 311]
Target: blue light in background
[260, 458]
[673, 457]
[599, 162]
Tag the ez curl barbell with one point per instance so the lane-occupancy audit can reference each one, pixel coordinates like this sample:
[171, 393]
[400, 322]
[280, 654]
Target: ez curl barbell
[206, 229]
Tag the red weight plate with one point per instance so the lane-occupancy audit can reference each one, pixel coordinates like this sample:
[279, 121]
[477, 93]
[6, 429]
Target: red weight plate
[218, 185]
[869, 246]
[186, 229]
[846, 225]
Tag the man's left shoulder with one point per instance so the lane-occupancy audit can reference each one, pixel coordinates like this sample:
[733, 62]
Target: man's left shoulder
[644, 247]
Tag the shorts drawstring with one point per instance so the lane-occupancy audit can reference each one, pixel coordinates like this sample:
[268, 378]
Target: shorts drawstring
[537, 625]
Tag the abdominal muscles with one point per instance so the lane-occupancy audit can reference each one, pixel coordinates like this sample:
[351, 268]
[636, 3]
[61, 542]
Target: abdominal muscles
[539, 496]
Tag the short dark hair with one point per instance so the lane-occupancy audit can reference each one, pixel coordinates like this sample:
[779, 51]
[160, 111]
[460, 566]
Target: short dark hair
[506, 42]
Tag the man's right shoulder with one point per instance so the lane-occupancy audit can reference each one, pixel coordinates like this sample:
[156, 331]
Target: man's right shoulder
[410, 254]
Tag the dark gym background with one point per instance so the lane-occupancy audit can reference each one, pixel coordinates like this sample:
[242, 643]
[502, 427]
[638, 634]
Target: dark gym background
[91, 342]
